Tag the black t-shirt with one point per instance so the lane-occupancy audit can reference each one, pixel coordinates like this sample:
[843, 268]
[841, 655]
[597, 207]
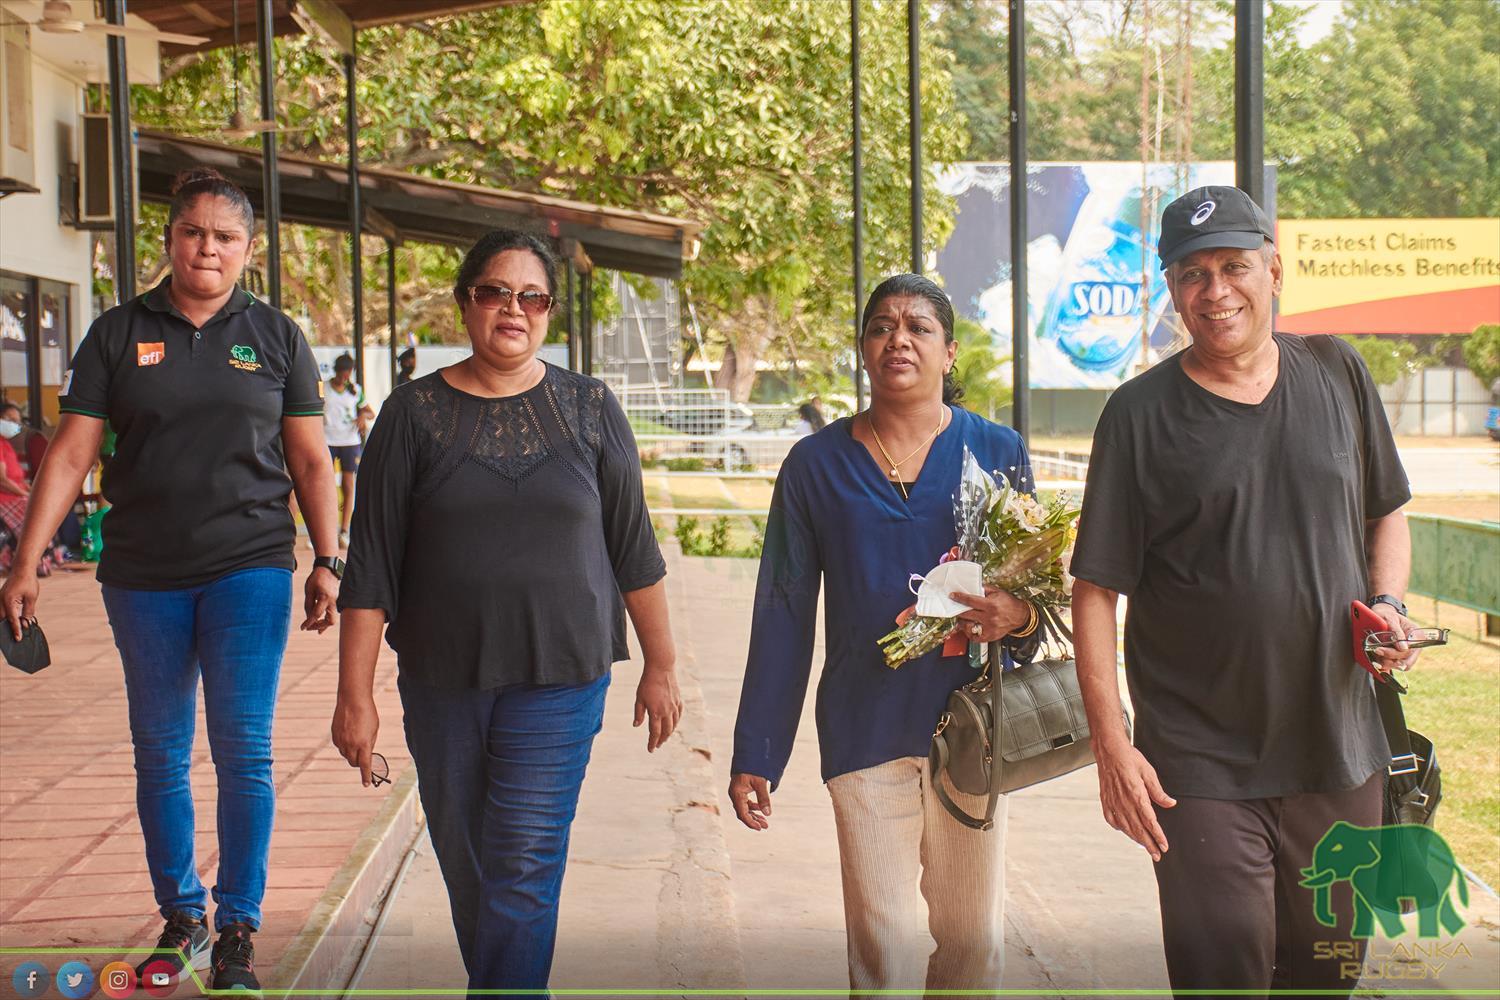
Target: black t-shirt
[498, 534]
[198, 484]
[1238, 532]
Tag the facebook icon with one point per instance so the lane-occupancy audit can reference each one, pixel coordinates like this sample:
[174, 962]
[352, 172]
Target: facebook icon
[30, 979]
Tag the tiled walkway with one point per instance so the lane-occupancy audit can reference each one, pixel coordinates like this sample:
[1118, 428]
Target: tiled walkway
[72, 861]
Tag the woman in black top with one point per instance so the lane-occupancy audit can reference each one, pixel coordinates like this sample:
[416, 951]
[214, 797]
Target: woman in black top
[501, 530]
[213, 397]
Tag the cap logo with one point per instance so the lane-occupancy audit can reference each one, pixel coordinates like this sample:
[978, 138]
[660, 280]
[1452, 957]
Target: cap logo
[1204, 211]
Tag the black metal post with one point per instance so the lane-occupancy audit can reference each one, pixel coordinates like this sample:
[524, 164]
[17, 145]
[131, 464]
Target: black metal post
[390, 306]
[570, 305]
[1020, 370]
[271, 183]
[586, 323]
[914, 95]
[356, 221]
[859, 207]
[121, 143]
[1249, 98]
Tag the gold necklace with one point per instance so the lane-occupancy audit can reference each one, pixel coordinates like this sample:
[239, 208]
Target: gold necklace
[895, 465]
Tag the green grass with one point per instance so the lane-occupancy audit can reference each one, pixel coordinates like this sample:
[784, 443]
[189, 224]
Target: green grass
[1455, 702]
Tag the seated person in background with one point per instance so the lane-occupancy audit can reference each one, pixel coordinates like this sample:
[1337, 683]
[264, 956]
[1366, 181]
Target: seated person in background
[15, 494]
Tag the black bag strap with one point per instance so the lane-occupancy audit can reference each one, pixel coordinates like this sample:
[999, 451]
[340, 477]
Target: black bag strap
[1387, 698]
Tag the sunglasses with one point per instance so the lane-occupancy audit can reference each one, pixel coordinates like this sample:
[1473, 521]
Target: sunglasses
[498, 297]
[380, 770]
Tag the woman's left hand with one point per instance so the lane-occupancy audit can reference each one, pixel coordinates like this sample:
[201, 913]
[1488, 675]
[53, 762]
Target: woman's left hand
[321, 598]
[997, 614]
[657, 696]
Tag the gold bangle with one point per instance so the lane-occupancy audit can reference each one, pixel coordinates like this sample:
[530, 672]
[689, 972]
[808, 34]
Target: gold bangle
[1031, 624]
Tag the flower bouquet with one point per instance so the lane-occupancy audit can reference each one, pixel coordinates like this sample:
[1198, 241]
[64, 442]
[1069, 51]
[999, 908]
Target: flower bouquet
[1014, 542]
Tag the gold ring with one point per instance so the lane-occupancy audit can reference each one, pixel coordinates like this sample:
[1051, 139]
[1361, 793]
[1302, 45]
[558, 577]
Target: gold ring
[975, 629]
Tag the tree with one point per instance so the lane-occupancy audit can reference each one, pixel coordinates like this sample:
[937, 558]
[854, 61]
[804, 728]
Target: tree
[735, 114]
[1482, 352]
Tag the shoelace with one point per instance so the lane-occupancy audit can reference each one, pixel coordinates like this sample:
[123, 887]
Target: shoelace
[238, 952]
[177, 934]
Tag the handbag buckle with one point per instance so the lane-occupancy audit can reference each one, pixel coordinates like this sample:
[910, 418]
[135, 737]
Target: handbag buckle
[943, 723]
[1410, 764]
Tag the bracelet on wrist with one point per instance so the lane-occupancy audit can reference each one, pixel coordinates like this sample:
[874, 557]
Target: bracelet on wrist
[1032, 621]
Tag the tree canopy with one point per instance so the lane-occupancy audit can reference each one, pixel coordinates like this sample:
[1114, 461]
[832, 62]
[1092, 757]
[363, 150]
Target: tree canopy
[736, 113]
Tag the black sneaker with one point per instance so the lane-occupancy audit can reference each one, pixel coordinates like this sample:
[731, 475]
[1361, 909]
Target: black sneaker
[184, 937]
[234, 960]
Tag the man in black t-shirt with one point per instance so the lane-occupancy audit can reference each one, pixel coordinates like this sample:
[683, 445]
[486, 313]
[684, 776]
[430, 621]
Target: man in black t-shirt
[1242, 493]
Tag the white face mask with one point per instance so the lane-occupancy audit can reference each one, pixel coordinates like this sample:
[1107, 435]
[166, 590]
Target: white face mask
[9, 428]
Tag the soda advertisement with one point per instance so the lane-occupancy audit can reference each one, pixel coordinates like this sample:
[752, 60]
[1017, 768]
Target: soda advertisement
[1085, 261]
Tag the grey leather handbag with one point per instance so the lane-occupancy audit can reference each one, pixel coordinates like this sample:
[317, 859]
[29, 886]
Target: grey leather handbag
[1040, 729]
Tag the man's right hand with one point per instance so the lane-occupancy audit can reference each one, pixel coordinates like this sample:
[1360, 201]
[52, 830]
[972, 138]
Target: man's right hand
[355, 724]
[19, 596]
[1127, 788]
[750, 794]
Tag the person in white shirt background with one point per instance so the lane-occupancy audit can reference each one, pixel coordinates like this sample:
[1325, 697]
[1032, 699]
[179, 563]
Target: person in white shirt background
[346, 417]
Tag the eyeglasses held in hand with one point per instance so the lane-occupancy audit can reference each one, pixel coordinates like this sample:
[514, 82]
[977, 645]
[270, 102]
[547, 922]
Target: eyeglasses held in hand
[380, 770]
[498, 297]
[1416, 638]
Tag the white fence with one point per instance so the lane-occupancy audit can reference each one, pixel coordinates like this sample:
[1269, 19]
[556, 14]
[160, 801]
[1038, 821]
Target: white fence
[702, 429]
[1437, 402]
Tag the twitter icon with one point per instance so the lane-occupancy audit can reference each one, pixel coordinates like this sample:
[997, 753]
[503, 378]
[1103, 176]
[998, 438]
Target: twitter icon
[75, 980]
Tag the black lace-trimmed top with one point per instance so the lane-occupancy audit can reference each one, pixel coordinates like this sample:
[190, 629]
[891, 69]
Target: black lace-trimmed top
[498, 534]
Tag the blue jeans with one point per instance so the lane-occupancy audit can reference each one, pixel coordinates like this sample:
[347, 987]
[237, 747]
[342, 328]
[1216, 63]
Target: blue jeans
[233, 631]
[499, 773]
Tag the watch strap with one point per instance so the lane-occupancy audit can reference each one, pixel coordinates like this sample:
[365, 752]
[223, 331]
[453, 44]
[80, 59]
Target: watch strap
[333, 564]
[1394, 602]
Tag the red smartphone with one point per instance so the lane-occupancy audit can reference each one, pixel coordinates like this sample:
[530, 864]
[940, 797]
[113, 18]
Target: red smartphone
[1365, 623]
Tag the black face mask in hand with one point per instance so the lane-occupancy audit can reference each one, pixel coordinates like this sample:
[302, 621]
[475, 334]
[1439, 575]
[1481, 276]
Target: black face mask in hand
[30, 652]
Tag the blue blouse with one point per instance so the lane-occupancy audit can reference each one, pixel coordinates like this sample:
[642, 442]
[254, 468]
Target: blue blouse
[836, 517]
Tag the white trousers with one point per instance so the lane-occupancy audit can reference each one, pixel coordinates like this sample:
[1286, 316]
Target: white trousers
[897, 847]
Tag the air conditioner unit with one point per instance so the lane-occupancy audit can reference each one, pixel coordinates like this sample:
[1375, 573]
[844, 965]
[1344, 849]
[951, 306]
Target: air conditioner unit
[17, 138]
[96, 182]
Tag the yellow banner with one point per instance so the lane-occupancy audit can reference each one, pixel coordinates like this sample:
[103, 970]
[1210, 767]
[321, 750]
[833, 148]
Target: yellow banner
[1327, 263]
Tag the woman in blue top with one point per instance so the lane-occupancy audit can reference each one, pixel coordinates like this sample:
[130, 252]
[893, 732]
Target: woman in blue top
[862, 504]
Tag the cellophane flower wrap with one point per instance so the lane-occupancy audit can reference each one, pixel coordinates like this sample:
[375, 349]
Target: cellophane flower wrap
[1018, 543]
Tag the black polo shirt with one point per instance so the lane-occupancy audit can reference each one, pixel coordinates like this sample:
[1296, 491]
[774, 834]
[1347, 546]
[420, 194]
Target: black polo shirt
[198, 484]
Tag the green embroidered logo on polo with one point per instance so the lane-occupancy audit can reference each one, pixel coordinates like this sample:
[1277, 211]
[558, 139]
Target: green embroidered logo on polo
[243, 358]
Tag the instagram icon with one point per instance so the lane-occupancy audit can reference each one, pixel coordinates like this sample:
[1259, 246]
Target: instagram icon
[117, 980]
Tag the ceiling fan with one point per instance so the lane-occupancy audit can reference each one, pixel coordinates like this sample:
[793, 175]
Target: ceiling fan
[239, 126]
[58, 19]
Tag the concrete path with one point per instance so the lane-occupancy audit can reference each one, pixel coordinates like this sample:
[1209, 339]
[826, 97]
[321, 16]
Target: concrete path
[1453, 470]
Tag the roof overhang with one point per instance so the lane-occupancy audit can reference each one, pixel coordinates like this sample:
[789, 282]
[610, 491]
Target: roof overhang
[402, 206]
[214, 19]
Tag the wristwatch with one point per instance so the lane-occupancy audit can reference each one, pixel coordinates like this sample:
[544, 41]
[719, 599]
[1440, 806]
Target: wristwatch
[1394, 602]
[335, 565]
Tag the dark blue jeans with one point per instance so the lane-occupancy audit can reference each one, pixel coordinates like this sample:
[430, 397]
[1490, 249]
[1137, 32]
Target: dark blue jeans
[499, 773]
[233, 631]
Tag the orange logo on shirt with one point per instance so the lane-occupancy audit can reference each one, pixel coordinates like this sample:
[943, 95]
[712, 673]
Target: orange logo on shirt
[150, 354]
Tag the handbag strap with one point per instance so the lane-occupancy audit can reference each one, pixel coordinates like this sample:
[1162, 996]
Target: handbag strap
[937, 758]
[1402, 768]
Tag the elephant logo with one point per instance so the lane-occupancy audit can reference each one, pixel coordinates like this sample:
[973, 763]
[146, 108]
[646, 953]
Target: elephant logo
[242, 356]
[1386, 866]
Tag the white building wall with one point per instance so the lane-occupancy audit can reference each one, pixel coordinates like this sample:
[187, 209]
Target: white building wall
[33, 238]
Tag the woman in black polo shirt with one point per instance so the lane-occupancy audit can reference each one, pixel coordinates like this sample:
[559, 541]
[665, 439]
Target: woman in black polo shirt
[500, 527]
[214, 398]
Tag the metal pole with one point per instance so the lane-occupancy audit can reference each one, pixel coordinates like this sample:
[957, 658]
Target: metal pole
[570, 305]
[914, 95]
[272, 176]
[390, 306]
[1249, 99]
[356, 222]
[859, 207]
[121, 143]
[586, 322]
[1020, 370]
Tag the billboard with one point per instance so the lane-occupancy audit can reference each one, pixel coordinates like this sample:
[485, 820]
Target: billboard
[1389, 275]
[1086, 256]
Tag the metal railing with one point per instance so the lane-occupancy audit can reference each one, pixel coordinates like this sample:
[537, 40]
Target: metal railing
[1456, 561]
